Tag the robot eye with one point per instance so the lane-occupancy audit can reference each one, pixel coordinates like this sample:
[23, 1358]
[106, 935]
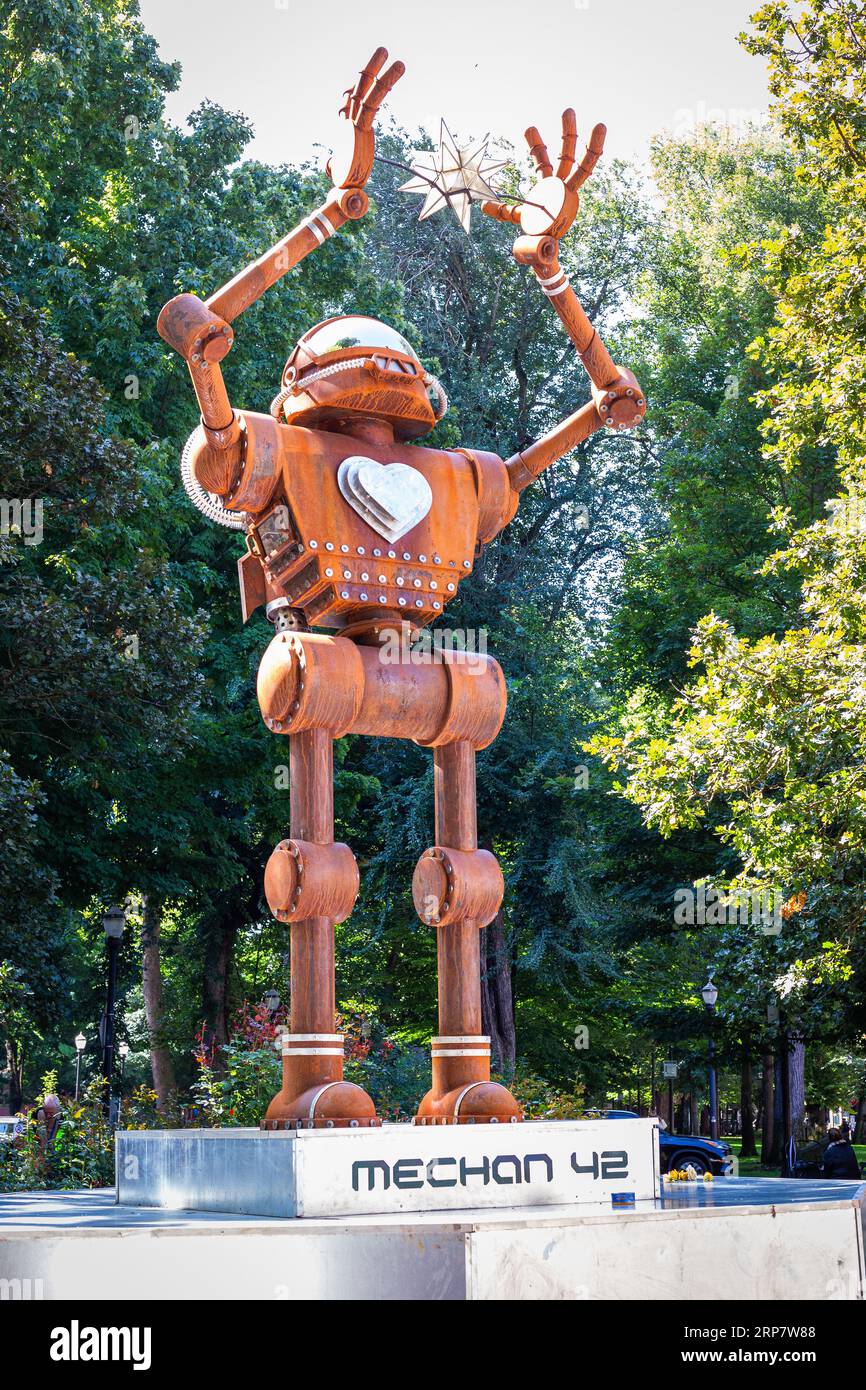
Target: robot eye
[391, 364]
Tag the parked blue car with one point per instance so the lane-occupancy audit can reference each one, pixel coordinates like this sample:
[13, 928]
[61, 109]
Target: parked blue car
[679, 1150]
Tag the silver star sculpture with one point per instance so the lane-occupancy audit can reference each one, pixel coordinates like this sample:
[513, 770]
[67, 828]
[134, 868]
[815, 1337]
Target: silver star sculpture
[452, 177]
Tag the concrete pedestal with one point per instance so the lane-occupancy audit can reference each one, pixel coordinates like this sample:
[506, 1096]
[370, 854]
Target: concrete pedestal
[738, 1238]
[392, 1169]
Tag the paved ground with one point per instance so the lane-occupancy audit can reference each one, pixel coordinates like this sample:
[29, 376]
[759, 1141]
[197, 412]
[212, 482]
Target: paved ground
[758, 1192]
[95, 1208]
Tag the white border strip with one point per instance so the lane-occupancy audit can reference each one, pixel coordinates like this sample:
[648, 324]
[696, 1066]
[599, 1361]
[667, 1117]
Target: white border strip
[320, 226]
[463, 1038]
[313, 1037]
[312, 1052]
[461, 1052]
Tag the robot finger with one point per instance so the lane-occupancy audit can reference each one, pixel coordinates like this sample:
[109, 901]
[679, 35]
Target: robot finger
[591, 156]
[569, 142]
[371, 103]
[538, 152]
[365, 81]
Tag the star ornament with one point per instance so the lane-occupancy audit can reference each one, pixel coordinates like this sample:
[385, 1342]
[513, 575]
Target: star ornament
[452, 177]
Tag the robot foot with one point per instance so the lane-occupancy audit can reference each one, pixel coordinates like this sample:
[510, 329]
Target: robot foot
[478, 1102]
[333, 1105]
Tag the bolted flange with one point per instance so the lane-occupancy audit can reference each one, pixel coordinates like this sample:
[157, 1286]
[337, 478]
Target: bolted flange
[304, 880]
[455, 885]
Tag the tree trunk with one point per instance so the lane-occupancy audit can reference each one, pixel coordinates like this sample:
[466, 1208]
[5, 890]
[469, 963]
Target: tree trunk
[784, 1122]
[694, 1113]
[497, 1003]
[748, 1148]
[161, 1065]
[766, 1108]
[797, 1085]
[860, 1122]
[219, 950]
[15, 1068]
[774, 1153]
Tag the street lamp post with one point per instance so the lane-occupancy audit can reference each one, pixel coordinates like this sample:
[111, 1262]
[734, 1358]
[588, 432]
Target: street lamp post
[113, 924]
[785, 1078]
[80, 1044]
[271, 1001]
[710, 994]
[123, 1053]
[669, 1071]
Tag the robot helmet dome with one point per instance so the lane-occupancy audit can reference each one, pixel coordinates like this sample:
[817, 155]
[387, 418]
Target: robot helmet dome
[355, 331]
[355, 366]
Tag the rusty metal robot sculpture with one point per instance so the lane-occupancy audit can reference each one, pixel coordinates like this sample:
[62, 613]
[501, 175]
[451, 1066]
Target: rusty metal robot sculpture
[352, 526]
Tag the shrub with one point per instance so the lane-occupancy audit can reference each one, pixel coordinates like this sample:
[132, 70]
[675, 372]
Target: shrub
[542, 1101]
[237, 1081]
[82, 1154]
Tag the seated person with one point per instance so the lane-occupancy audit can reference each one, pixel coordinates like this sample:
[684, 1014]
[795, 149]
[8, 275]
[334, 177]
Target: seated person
[840, 1160]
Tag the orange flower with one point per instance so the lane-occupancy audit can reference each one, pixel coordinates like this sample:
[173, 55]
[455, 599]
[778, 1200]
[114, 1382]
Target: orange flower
[795, 904]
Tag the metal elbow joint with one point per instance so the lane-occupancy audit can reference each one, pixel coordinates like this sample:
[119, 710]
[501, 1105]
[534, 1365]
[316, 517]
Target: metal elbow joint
[621, 403]
[194, 330]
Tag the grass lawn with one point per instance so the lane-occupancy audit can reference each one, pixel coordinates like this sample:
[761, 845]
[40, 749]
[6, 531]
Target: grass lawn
[753, 1168]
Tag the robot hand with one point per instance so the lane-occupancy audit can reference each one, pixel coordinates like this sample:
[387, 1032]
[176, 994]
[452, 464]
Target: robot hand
[352, 159]
[551, 205]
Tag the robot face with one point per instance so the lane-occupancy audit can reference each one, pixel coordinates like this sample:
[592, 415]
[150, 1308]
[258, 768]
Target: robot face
[354, 366]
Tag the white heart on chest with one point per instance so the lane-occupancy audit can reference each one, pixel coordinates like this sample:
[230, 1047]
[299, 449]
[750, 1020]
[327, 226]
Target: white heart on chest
[390, 497]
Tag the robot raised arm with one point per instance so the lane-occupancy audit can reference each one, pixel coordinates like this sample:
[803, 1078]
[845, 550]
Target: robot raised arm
[349, 171]
[201, 331]
[544, 217]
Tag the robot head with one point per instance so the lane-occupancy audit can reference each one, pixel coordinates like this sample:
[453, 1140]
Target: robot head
[356, 367]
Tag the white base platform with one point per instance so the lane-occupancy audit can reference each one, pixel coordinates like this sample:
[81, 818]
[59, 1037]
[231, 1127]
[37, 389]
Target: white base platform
[391, 1169]
[739, 1238]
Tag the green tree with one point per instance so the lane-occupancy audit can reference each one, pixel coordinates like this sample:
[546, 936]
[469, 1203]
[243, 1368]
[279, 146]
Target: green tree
[765, 743]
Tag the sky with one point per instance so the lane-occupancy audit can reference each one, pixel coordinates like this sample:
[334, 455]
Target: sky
[487, 66]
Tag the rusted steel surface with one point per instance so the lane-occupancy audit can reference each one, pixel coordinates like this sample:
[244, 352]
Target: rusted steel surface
[313, 1090]
[453, 885]
[305, 880]
[308, 680]
[462, 1091]
[353, 526]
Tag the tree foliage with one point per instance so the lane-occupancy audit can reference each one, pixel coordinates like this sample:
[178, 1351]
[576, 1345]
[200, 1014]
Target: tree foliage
[765, 742]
